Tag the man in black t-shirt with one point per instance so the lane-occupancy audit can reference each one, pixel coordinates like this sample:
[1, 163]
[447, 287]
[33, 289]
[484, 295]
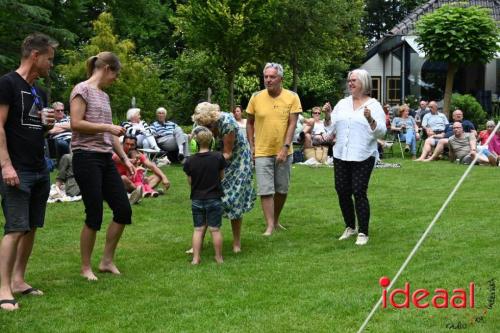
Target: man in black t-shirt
[24, 181]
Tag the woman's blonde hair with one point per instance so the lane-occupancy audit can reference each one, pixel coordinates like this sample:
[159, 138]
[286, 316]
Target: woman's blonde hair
[103, 59]
[401, 109]
[203, 136]
[205, 114]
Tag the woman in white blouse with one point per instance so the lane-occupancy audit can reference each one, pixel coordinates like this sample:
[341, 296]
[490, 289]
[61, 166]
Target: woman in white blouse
[358, 120]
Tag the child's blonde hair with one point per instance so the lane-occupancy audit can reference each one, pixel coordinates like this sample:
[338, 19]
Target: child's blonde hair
[203, 136]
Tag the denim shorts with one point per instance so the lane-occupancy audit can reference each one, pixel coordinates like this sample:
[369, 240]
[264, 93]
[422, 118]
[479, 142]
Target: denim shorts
[24, 205]
[272, 177]
[207, 212]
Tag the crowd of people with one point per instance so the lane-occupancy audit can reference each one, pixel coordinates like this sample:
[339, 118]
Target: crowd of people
[104, 162]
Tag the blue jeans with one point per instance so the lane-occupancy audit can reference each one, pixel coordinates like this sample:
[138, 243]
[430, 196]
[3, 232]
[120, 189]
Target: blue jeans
[410, 139]
[207, 212]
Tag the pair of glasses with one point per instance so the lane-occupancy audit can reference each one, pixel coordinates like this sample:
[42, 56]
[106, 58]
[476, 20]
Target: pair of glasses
[58, 110]
[316, 112]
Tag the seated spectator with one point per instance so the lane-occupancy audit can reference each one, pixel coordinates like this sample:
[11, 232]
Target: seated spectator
[440, 141]
[386, 108]
[242, 122]
[298, 129]
[65, 179]
[316, 130]
[61, 132]
[462, 145]
[492, 152]
[170, 137]
[434, 122]
[129, 181]
[407, 129]
[134, 126]
[484, 134]
[421, 112]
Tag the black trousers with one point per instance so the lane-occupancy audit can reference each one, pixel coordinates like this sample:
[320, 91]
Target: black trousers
[98, 180]
[351, 181]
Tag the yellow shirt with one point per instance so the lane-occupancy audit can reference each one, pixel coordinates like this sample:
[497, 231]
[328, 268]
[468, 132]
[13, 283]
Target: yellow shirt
[271, 120]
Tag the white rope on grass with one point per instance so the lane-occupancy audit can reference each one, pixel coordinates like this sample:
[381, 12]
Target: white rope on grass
[426, 232]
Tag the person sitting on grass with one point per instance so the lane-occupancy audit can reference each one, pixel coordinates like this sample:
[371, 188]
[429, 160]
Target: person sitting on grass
[492, 152]
[130, 144]
[462, 145]
[441, 141]
[144, 133]
[205, 171]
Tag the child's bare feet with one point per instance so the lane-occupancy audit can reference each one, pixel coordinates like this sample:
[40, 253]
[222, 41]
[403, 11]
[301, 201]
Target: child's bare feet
[88, 274]
[236, 248]
[195, 262]
[219, 260]
[268, 232]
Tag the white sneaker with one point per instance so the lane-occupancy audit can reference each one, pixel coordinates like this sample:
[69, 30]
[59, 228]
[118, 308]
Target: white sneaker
[362, 239]
[348, 232]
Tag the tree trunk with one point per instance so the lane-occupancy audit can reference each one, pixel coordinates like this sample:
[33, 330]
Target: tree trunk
[452, 68]
[295, 69]
[230, 80]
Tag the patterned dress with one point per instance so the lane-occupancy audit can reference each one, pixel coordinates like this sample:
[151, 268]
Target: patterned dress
[239, 194]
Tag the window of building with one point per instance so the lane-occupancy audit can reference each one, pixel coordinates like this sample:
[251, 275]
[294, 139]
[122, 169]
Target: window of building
[376, 91]
[393, 89]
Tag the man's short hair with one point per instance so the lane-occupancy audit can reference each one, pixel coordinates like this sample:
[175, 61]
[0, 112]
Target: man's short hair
[37, 42]
[276, 66]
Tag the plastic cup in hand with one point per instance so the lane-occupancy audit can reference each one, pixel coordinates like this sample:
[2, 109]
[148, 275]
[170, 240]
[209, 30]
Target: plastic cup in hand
[45, 112]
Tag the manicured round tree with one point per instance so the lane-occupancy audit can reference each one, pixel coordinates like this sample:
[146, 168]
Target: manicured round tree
[458, 35]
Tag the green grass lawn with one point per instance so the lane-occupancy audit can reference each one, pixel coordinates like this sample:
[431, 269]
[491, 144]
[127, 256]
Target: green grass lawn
[300, 280]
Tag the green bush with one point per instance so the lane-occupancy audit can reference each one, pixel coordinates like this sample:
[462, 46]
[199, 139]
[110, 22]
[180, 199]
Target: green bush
[473, 111]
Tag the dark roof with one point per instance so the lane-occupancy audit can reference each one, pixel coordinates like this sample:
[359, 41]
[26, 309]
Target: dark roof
[407, 26]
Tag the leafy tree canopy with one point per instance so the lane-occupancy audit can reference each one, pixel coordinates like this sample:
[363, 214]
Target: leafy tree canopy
[139, 77]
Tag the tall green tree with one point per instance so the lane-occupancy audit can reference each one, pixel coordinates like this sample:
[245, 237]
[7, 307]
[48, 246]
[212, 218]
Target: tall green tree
[305, 35]
[227, 29]
[458, 35]
[139, 77]
[19, 18]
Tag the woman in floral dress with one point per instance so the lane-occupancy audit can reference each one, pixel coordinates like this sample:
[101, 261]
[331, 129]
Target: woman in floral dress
[239, 194]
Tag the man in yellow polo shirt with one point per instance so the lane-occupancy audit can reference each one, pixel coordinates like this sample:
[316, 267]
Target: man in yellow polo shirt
[272, 117]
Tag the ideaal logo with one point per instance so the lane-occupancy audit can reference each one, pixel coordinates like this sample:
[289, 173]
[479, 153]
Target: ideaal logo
[421, 298]
[441, 298]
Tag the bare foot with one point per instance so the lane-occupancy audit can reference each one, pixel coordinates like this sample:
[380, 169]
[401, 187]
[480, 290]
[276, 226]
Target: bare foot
[279, 227]
[219, 260]
[427, 160]
[88, 274]
[195, 262]
[268, 232]
[190, 251]
[8, 306]
[108, 268]
[25, 289]
[236, 248]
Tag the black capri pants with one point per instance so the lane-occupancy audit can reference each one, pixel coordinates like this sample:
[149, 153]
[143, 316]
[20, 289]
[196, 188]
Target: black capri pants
[99, 180]
[351, 180]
